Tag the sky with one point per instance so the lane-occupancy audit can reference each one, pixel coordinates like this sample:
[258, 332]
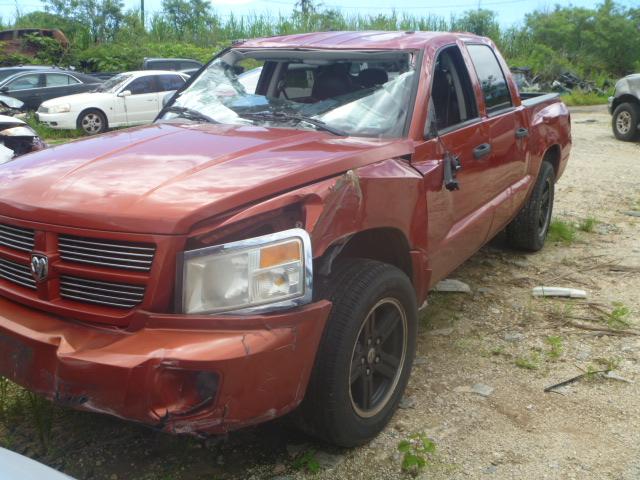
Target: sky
[509, 11]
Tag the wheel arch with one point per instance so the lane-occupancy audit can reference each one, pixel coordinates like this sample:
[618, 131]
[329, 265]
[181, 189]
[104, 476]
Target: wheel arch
[553, 155]
[626, 98]
[384, 244]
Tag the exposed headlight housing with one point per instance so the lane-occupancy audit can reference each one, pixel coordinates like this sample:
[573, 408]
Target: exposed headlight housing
[58, 108]
[259, 274]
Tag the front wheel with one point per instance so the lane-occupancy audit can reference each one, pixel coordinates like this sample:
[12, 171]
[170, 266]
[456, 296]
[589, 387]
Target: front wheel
[365, 357]
[529, 229]
[92, 122]
[625, 121]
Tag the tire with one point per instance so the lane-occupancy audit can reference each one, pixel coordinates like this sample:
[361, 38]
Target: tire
[529, 229]
[625, 121]
[92, 122]
[352, 359]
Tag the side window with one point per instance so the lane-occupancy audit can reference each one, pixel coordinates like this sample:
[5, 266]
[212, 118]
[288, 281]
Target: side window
[187, 65]
[59, 80]
[170, 82]
[142, 85]
[298, 82]
[494, 84]
[25, 82]
[452, 100]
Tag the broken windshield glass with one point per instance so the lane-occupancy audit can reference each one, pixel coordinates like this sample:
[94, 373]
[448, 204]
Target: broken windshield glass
[356, 96]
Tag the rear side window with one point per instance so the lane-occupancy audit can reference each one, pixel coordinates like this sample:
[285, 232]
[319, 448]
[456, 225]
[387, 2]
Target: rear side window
[170, 82]
[59, 80]
[494, 84]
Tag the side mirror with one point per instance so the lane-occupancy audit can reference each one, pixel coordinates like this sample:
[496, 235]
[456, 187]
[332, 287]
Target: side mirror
[124, 93]
[166, 98]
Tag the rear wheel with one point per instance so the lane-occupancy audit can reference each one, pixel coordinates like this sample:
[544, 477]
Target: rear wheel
[92, 122]
[529, 229]
[625, 121]
[365, 357]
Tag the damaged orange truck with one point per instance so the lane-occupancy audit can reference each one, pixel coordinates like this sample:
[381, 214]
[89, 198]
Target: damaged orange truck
[256, 253]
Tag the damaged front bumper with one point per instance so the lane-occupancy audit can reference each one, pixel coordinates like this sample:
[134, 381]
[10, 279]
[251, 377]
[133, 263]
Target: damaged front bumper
[242, 371]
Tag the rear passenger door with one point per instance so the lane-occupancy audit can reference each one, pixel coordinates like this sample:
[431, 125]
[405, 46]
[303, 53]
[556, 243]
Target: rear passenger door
[458, 220]
[507, 135]
[168, 85]
[142, 105]
[59, 85]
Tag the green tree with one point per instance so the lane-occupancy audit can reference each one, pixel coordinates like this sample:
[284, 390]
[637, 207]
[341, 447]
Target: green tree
[103, 17]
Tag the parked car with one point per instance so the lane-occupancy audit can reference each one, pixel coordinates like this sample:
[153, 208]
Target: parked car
[35, 87]
[17, 138]
[8, 71]
[10, 105]
[624, 106]
[252, 254]
[170, 64]
[18, 467]
[130, 98]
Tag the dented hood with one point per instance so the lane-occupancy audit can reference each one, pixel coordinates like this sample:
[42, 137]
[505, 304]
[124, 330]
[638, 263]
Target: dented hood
[163, 178]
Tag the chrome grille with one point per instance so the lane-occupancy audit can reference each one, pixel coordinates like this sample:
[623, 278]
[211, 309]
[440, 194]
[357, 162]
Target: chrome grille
[16, 237]
[17, 273]
[106, 253]
[102, 293]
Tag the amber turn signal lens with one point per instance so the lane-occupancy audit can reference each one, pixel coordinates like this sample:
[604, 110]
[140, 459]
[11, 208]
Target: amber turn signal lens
[280, 254]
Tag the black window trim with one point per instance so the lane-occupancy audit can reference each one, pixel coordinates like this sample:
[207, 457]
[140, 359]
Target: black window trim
[492, 112]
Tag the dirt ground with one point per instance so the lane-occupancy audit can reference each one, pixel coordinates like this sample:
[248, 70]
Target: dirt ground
[497, 336]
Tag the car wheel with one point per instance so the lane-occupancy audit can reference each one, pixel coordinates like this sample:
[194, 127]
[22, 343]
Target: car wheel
[92, 122]
[625, 121]
[529, 229]
[365, 357]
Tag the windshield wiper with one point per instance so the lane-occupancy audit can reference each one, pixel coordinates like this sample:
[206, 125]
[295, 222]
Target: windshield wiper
[284, 116]
[190, 114]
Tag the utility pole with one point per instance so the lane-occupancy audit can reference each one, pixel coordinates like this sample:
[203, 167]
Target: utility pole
[142, 13]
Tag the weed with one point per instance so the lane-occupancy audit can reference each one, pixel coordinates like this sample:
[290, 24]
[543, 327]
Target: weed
[555, 346]
[49, 133]
[588, 224]
[307, 461]
[609, 363]
[416, 451]
[530, 362]
[562, 232]
[578, 97]
[42, 413]
[618, 318]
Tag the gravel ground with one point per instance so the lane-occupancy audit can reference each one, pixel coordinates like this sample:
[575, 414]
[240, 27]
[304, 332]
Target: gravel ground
[484, 360]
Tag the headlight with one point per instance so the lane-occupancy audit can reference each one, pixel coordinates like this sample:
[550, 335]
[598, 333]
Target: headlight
[262, 273]
[60, 108]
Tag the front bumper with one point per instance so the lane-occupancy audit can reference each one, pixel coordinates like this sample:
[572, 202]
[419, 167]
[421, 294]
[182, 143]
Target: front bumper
[189, 380]
[59, 121]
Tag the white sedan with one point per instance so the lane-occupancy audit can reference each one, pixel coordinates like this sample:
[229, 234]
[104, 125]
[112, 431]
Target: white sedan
[131, 98]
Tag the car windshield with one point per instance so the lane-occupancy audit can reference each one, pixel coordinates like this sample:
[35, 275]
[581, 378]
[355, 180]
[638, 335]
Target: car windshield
[113, 83]
[365, 94]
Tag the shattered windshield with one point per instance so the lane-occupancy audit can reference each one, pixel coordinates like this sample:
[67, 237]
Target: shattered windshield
[365, 94]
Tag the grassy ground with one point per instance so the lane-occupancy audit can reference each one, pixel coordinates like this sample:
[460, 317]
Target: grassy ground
[577, 98]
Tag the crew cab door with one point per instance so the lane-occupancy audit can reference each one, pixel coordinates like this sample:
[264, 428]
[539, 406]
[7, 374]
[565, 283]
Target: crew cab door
[458, 220]
[508, 133]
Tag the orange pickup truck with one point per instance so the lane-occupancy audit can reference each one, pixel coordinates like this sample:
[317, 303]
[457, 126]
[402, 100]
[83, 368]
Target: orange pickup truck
[256, 253]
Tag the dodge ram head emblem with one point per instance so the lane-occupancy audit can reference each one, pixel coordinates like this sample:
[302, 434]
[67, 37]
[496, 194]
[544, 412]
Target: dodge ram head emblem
[39, 267]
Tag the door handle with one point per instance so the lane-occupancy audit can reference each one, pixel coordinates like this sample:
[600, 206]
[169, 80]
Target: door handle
[522, 132]
[482, 150]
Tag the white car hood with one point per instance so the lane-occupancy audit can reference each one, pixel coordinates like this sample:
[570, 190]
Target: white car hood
[80, 99]
[16, 467]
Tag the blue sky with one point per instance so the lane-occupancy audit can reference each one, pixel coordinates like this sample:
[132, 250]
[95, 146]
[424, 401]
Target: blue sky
[509, 11]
